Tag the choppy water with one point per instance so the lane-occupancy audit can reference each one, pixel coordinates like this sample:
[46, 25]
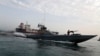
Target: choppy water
[16, 46]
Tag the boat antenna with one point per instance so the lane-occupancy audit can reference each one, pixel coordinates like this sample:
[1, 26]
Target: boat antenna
[44, 16]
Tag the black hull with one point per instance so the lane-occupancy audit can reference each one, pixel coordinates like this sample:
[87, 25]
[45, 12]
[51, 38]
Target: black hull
[71, 38]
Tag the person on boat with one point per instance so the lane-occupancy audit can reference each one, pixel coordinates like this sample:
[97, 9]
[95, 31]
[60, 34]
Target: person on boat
[68, 32]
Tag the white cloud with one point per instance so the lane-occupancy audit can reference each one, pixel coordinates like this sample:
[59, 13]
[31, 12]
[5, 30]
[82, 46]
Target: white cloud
[84, 9]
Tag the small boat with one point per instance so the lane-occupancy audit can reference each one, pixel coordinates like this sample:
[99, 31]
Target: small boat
[44, 34]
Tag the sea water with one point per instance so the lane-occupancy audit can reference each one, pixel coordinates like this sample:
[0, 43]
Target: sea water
[18, 46]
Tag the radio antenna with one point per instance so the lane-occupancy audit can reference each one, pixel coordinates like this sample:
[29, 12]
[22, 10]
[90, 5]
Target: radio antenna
[44, 16]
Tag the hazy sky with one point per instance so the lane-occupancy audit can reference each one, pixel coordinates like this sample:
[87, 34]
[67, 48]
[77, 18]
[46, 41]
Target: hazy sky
[60, 15]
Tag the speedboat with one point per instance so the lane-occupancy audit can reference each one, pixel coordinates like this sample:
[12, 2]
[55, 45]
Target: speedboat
[44, 34]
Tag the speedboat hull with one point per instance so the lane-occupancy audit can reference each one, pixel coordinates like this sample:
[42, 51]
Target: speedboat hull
[70, 38]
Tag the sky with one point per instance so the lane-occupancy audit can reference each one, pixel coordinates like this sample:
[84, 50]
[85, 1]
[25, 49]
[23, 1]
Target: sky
[57, 15]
